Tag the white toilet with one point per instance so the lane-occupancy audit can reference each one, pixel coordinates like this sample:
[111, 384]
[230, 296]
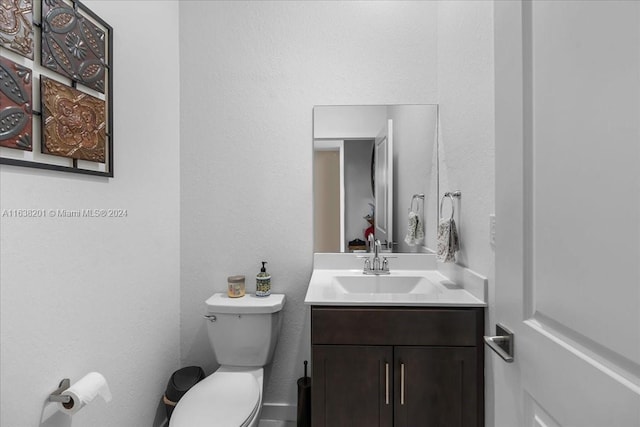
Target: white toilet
[243, 333]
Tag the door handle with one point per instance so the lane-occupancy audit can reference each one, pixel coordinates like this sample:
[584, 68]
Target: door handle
[501, 343]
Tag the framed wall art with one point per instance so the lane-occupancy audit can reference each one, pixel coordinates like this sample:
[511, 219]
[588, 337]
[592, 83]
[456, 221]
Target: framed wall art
[16, 27]
[16, 119]
[56, 103]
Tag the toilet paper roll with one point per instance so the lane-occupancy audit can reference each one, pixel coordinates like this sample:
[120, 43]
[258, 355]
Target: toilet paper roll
[84, 391]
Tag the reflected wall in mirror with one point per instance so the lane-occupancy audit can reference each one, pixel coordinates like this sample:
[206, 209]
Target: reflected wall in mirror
[369, 162]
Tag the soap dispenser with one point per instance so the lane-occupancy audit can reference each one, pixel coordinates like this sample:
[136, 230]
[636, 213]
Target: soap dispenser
[263, 282]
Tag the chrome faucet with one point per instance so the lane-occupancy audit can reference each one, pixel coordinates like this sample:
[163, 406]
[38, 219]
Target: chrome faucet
[375, 265]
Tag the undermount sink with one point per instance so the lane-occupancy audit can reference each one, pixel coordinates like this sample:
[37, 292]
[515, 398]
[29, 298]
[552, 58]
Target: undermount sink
[383, 284]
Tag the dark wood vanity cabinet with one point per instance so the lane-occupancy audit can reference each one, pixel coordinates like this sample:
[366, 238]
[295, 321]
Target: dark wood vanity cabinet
[404, 367]
[348, 386]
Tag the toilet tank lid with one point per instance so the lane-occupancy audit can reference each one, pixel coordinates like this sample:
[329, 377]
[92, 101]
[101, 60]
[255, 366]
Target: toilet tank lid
[221, 303]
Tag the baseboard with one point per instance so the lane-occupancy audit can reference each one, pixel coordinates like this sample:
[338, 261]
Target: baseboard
[279, 411]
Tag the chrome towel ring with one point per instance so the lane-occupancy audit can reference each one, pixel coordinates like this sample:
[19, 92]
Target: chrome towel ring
[451, 195]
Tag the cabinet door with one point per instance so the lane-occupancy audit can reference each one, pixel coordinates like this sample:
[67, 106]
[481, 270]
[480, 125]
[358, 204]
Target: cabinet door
[436, 387]
[351, 385]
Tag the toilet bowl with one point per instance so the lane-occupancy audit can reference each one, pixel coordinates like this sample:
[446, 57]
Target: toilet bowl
[230, 397]
[243, 333]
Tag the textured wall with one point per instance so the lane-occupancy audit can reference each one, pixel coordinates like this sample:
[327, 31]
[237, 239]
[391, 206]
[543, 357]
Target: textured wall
[251, 73]
[466, 98]
[83, 294]
[465, 95]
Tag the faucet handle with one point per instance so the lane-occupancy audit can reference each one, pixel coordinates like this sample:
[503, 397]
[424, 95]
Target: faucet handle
[385, 262]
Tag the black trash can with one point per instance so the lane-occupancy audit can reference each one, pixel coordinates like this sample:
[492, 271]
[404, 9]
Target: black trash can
[179, 383]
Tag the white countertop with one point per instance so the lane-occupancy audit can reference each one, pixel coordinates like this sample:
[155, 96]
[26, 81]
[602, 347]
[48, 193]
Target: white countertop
[435, 290]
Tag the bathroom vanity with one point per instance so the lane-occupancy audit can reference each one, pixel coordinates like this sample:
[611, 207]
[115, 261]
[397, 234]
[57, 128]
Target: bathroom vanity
[392, 366]
[401, 350]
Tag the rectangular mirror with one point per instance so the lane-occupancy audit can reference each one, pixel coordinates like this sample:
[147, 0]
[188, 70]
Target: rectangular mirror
[375, 170]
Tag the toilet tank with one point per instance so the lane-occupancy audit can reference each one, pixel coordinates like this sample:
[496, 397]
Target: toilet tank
[244, 331]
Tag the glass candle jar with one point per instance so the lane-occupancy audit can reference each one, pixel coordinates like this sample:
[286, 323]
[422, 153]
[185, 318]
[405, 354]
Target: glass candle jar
[236, 287]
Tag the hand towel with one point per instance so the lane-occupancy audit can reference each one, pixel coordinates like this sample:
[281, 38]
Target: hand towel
[448, 243]
[415, 230]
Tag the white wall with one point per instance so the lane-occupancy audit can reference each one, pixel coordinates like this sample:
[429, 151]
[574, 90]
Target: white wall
[83, 294]
[466, 99]
[248, 86]
[465, 95]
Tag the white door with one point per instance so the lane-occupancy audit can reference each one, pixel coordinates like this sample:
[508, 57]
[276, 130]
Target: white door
[568, 212]
[383, 184]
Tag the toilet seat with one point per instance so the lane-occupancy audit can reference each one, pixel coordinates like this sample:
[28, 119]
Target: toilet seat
[223, 399]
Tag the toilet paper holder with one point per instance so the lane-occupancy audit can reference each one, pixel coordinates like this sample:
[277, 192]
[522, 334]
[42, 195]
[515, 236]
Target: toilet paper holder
[57, 396]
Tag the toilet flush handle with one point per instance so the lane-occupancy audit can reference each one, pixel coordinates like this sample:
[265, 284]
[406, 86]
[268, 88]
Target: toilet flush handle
[210, 317]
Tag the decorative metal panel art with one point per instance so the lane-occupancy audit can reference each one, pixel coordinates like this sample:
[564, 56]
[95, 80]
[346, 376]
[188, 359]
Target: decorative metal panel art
[74, 123]
[16, 26]
[16, 119]
[72, 45]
